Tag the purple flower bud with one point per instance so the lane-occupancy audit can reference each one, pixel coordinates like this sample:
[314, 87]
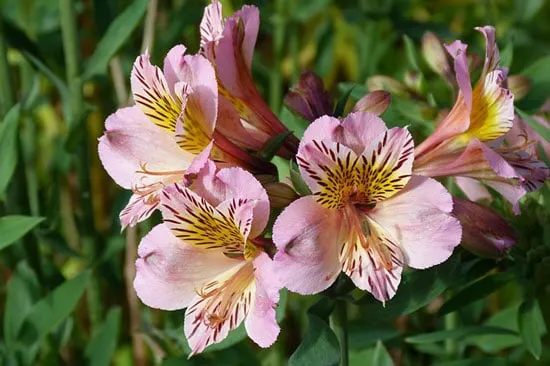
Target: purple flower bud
[484, 232]
[375, 102]
[308, 98]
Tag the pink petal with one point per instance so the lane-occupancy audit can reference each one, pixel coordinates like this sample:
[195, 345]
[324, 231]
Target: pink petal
[250, 17]
[419, 219]
[169, 272]
[323, 128]
[211, 28]
[457, 50]
[491, 50]
[473, 189]
[307, 238]
[132, 141]
[172, 65]
[139, 208]
[261, 323]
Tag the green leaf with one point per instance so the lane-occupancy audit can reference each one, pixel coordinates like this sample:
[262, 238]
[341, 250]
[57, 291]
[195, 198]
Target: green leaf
[320, 346]
[476, 291]
[100, 350]
[18, 304]
[381, 357]
[273, 145]
[539, 128]
[458, 333]
[117, 34]
[539, 73]
[412, 55]
[8, 146]
[341, 105]
[507, 55]
[13, 228]
[47, 314]
[482, 361]
[297, 181]
[418, 288]
[528, 329]
[303, 11]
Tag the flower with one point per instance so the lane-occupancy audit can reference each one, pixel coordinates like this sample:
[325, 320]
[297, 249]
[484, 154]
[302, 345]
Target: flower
[169, 133]
[367, 217]
[229, 45]
[484, 232]
[309, 99]
[204, 258]
[475, 141]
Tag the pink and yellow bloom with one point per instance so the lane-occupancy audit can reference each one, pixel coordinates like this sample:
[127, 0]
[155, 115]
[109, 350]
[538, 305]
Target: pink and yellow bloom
[229, 45]
[474, 140]
[367, 217]
[204, 257]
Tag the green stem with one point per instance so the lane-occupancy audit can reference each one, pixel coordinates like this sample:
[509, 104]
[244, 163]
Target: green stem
[339, 324]
[295, 51]
[451, 346]
[276, 87]
[90, 241]
[6, 94]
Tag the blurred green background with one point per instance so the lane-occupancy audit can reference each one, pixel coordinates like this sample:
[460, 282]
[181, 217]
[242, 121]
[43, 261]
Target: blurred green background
[66, 270]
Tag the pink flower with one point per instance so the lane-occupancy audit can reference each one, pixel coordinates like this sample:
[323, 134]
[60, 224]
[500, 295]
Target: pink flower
[204, 258]
[367, 216]
[229, 45]
[475, 140]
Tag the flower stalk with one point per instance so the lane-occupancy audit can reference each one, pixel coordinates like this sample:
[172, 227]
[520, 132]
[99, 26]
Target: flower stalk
[339, 324]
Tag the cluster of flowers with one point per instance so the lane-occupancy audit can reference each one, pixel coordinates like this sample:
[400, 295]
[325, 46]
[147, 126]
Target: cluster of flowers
[189, 147]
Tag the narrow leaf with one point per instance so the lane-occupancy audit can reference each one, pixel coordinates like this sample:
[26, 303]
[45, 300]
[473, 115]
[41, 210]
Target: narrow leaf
[273, 145]
[299, 185]
[541, 130]
[476, 291]
[457, 334]
[528, 327]
[18, 305]
[341, 105]
[13, 228]
[8, 147]
[117, 34]
[412, 55]
[102, 347]
[47, 314]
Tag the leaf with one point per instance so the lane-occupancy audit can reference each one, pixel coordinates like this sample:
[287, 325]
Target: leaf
[303, 11]
[482, 361]
[539, 128]
[17, 38]
[297, 181]
[47, 314]
[410, 51]
[13, 228]
[18, 305]
[458, 333]
[527, 323]
[418, 288]
[117, 34]
[320, 346]
[8, 147]
[507, 55]
[539, 73]
[100, 350]
[362, 336]
[341, 105]
[273, 145]
[476, 291]
[381, 357]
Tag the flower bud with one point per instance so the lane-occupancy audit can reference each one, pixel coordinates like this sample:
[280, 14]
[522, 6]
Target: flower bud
[375, 102]
[280, 194]
[484, 232]
[308, 98]
[519, 85]
[435, 56]
[414, 81]
[381, 82]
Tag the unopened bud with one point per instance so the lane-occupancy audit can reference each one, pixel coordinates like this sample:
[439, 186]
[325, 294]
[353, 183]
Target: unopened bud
[308, 98]
[375, 102]
[435, 55]
[381, 82]
[414, 81]
[519, 85]
[280, 194]
[484, 232]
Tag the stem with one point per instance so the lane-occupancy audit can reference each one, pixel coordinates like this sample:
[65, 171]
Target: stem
[149, 29]
[6, 94]
[295, 51]
[451, 346]
[339, 324]
[275, 87]
[90, 241]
